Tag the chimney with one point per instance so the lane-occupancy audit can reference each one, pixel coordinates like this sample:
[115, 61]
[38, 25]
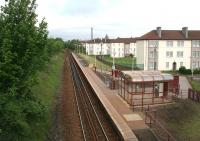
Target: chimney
[159, 32]
[185, 31]
[91, 33]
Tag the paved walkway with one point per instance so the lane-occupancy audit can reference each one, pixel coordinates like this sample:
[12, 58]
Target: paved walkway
[184, 86]
[135, 120]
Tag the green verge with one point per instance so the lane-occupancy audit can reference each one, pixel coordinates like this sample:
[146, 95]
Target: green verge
[125, 61]
[182, 119]
[46, 89]
[195, 85]
[91, 60]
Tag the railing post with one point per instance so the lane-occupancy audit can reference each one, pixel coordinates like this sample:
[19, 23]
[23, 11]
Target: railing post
[150, 120]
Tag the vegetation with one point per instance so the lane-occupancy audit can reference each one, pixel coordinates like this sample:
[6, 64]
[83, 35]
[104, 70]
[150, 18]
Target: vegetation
[75, 45]
[125, 61]
[25, 50]
[91, 60]
[182, 119]
[45, 90]
[183, 70]
[195, 85]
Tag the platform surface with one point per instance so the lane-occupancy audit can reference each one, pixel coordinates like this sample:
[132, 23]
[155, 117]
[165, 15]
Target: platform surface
[122, 115]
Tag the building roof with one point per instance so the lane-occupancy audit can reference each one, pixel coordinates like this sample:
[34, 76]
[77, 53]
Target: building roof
[171, 35]
[117, 40]
[146, 76]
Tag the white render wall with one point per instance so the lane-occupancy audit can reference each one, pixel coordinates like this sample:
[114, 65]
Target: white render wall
[142, 54]
[109, 49]
[162, 58]
[133, 49]
[117, 50]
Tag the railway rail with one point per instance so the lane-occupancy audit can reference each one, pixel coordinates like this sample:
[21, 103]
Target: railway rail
[95, 122]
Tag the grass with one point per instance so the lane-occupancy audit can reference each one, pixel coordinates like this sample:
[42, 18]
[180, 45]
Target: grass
[182, 119]
[45, 90]
[91, 60]
[195, 85]
[125, 61]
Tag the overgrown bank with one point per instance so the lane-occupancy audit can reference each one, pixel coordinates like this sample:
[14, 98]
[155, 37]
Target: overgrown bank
[46, 90]
[182, 120]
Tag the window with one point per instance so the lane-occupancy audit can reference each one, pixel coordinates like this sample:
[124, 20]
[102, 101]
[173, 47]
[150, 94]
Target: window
[151, 54]
[169, 54]
[167, 65]
[181, 64]
[196, 43]
[194, 54]
[179, 53]
[153, 43]
[151, 65]
[198, 54]
[193, 65]
[197, 64]
[169, 43]
[180, 43]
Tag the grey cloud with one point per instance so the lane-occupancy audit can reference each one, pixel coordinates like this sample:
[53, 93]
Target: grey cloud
[82, 8]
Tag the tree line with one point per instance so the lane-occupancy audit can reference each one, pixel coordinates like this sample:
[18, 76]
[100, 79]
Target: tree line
[25, 50]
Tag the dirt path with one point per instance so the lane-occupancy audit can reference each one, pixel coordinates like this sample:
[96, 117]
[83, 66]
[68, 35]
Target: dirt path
[66, 123]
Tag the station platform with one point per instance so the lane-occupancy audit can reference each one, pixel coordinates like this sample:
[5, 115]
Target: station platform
[125, 119]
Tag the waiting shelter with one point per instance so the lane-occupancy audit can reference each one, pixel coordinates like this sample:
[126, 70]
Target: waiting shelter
[140, 88]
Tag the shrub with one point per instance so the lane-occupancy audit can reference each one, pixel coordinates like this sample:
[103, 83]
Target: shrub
[183, 70]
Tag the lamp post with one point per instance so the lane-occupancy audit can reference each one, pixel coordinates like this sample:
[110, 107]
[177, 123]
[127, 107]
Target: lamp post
[101, 55]
[132, 60]
[154, 56]
[95, 59]
[113, 66]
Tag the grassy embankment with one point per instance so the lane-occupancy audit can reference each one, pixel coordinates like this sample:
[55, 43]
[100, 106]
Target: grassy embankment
[46, 89]
[91, 60]
[125, 61]
[195, 85]
[182, 119]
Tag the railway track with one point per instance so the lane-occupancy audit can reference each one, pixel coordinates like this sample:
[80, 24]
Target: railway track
[95, 122]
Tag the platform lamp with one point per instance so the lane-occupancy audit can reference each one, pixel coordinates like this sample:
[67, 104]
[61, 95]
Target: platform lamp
[192, 69]
[132, 59]
[113, 66]
[154, 63]
[95, 59]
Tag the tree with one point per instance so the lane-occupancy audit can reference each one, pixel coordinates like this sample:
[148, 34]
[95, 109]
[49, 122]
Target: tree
[23, 52]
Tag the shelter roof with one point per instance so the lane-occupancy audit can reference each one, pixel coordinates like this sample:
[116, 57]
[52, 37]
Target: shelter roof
[146, 76]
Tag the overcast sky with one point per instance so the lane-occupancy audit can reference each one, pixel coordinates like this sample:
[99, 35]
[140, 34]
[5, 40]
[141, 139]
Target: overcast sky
[118, 18]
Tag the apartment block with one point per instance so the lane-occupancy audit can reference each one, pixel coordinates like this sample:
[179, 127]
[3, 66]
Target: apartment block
[169, 49]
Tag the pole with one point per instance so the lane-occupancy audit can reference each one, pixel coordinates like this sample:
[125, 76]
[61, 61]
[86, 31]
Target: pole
[132, 62]
[101, 55]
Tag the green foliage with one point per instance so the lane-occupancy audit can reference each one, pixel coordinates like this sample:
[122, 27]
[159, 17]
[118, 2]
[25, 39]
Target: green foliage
[183, 70]
[197, 71]
[55, 46]
[23, 53]
[75, 45]
[17, 114]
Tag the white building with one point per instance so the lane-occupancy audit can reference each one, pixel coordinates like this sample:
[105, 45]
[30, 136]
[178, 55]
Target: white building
[168, 49]
[119, 47]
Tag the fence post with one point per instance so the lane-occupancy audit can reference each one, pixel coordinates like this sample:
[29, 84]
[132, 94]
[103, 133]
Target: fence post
[150, 120]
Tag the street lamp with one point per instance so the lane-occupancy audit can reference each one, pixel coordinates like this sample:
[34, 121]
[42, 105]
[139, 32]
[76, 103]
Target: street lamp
[132, 59]
[101, 55]
[154, 63]
[113, 66]
[95, 59]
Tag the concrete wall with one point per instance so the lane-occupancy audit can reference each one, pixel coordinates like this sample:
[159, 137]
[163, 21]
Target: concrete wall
[186, 49]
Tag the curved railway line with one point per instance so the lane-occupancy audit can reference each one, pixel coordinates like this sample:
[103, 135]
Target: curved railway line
[95, 122]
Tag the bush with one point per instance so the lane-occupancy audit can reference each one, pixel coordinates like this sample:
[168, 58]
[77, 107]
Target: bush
[197, 71]
[183, 70]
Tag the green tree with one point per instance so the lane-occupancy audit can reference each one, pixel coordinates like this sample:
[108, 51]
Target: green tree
[55, 45]
[23, 52]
